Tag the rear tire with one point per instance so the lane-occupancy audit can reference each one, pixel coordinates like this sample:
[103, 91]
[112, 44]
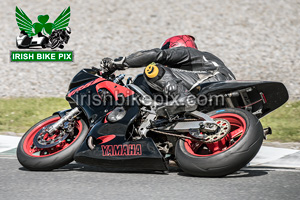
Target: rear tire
[53, 159]
[233, 157]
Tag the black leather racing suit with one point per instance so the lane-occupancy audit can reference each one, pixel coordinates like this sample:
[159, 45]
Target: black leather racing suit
[188, 64]
[177, 71]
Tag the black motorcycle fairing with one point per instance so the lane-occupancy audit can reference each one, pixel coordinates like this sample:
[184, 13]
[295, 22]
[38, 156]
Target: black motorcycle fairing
[264, 96]
[118, 128]
[98, 97]
[148, 158]
[82, 77]
[92, 105]
[112, 149]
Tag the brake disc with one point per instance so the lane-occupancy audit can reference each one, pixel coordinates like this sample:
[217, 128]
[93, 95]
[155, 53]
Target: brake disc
[223, 129]
[41, 142]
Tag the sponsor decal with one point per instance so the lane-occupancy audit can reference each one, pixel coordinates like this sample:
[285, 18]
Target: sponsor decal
[85, 86]
[122, 150]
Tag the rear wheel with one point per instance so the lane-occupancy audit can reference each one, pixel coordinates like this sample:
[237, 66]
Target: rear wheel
[229, 152]
[38, 150]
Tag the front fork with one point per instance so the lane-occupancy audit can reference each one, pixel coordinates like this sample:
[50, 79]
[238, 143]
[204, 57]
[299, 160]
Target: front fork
[68, 117]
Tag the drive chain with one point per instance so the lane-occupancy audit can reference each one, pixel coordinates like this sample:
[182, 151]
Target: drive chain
[174, 135]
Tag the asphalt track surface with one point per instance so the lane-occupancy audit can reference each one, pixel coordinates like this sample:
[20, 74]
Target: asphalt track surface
[76, 181]
[273, 174]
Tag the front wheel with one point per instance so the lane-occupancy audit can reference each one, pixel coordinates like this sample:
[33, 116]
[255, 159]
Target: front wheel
[229, 153]
[39, 151]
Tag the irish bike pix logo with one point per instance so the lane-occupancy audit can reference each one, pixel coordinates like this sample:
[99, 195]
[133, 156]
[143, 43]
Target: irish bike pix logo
[40, 35]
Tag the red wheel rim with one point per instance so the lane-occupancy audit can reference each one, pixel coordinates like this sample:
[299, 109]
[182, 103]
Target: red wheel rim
[238, 128]
[33, 151]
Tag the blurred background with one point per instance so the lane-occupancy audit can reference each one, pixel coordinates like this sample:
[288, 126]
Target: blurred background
[257, 40]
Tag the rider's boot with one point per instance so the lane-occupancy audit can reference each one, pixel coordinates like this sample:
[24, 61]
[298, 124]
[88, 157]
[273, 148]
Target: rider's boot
[162, 78]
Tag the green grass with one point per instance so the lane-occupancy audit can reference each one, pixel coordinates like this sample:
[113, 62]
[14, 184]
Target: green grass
[285, 123]
[19, 114]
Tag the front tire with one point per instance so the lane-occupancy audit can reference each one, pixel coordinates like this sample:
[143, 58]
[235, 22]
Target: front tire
[229, 154]
[40, 159]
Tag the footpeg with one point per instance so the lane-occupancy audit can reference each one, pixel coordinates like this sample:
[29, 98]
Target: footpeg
[267, 131]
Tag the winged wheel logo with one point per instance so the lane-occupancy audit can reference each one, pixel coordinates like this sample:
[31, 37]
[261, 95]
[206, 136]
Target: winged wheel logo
[43, 33]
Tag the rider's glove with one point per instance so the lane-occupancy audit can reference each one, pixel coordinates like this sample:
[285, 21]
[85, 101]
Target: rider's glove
[171, 88]
[110, 65]
[107, 65]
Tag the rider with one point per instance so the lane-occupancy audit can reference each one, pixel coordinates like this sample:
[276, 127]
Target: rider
[176, 68]
[59, 37]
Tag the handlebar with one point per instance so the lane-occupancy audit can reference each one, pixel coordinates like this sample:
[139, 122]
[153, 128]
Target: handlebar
[110, 75]
[119, 78]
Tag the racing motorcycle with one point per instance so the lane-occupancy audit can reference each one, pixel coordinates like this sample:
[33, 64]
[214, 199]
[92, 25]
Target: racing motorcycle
[116, 126]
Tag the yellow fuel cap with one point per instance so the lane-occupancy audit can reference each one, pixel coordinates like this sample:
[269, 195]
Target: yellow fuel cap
[151, 70]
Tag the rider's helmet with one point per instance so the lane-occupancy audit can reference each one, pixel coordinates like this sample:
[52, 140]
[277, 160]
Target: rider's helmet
[179, 41]
[68, 30]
